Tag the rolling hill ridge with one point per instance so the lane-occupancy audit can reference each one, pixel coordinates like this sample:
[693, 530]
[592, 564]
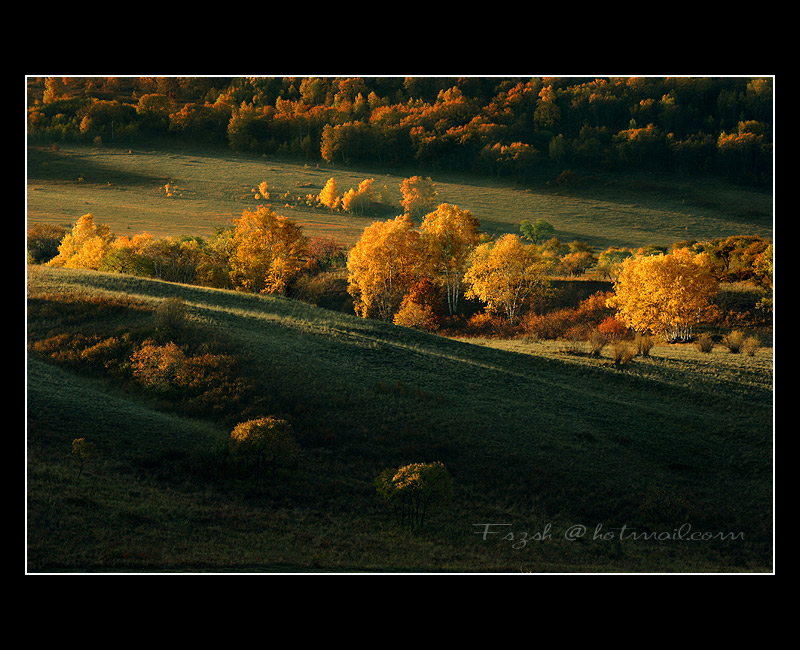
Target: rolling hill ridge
[530, 438]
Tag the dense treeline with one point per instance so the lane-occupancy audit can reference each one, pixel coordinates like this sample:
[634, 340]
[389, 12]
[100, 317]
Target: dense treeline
[489, 125]
[416, 276]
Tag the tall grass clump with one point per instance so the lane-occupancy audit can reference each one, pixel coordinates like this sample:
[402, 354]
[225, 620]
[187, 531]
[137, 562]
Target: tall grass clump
[622, 353]
[704, 343]
[170, 316]
[643, 343]
[751, 345]
[734, 341]
[597, 341]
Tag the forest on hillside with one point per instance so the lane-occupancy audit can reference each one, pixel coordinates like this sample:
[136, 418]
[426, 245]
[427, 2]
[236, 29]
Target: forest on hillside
[511, 127]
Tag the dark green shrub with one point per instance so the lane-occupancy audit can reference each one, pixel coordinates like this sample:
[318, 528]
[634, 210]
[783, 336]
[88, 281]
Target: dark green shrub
[43, 242]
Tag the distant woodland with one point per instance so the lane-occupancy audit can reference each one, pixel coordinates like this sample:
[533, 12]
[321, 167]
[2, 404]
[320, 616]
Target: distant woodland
[510, 127]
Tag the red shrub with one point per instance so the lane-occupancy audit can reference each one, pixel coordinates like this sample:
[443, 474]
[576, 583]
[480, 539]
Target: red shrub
[552, 325]
[614, 330]
[560, 323]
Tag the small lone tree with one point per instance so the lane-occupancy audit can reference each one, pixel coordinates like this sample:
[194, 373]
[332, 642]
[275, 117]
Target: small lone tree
[419, 195]
[268, 443]
[329, 196]
[83, 449]
[537, 231]
[411, 490]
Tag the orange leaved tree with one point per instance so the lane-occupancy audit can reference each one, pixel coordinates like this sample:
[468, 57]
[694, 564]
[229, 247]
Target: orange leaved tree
[664, 295]
[383, 266]
[266, 252]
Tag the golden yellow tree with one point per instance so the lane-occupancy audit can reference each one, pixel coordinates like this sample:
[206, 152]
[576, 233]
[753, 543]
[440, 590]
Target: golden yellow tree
[266, 252]
[664, 295]
[268, 442]
[505, 275]
[383, 266]
[418, 195]
[129, 255]
[354, 200]
[262, 192]
[329, 196]
[85, 247]
[448, 235]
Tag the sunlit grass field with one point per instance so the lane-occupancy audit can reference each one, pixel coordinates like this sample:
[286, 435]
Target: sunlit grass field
[537, 442]
[124, 186]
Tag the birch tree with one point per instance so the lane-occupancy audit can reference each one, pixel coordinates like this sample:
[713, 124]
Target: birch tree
[449, 234]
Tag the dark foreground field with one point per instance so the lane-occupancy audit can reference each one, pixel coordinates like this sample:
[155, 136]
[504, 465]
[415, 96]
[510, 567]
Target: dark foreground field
[665, 466]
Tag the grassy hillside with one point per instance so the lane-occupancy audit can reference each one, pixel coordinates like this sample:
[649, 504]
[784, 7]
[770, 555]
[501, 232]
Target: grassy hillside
[124, 187]
[535, 440]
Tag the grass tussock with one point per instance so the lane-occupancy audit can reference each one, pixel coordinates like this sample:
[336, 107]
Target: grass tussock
[738, 342]
[704, 343]
[622, 353]
[734, 341]
[643, 344]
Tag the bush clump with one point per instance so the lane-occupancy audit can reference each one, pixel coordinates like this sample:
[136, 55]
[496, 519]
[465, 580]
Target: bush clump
[411, 490]
[643, 344]
[265, 445]
[751, 345]
[171, 316]
[704, 343]
[597, 341]
[622, 353]
[734, 341]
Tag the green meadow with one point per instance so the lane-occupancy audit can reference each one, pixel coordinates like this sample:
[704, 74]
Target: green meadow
[561, 462]
[124, 188]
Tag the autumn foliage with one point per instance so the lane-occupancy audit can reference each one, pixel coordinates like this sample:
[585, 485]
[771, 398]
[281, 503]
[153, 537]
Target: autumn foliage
[449, 234]
[423, 276]
[506, 126]
[419, 195]
[196, 376]
[383, 266]
[592, 313]
[267, 251]
[665, 295]
[84, 247]
[267, 444]
[505, 275]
